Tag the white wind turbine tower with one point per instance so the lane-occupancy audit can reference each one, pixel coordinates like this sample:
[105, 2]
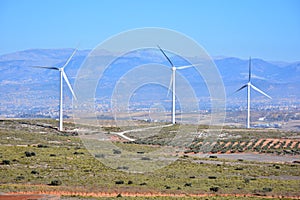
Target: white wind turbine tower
[173, 82]
[63, 76]
[249, 85]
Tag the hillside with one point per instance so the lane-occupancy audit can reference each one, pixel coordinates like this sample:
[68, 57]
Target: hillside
[24, 88]
[37, 159]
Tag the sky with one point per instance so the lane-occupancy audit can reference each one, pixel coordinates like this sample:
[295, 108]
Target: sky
[267, 29]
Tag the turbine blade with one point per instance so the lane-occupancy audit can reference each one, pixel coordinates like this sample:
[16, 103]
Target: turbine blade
[166, 56]
[188, 66]
[170, 85]
[258, 90]
[45, 67]
[69, 58]
[68, 83]
[240, 88]
[249, 69]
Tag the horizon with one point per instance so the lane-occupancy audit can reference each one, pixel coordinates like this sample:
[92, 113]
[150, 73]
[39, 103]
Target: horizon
[214, 57]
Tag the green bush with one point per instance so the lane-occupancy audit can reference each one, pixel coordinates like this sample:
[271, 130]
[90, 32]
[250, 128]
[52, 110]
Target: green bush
[119, 182]
[19, 178]
[29, 154]
[42, 146]
[167, 187]
[188, 185]
[145, 158]
[267, 189]
[55, 183]
[212, 177]
[6, 162]
[99, 155]
[214, 189]
[34, 172]
[78, 153]
[116, 151]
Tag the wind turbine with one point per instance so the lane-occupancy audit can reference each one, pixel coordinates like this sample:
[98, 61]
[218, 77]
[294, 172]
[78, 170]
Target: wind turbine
[173, 82]
[249, 85]
[63, 76]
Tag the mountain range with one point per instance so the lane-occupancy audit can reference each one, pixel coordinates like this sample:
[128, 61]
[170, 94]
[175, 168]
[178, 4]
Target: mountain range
[19, 82]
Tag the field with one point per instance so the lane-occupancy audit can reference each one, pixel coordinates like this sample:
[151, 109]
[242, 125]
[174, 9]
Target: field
[37, 159]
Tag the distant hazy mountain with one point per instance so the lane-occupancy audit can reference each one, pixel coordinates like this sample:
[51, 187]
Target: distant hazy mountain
[18, 80]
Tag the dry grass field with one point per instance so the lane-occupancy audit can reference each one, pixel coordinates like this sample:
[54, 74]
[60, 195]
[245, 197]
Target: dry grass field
[37, 159]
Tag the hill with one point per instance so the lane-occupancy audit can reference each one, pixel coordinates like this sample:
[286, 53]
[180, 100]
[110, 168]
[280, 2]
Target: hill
[24, 88]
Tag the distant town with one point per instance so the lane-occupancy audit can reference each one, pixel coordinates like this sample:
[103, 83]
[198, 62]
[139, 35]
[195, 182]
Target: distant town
[264, 115]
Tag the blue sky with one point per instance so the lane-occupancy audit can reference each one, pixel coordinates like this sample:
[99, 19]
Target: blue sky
[267, 29]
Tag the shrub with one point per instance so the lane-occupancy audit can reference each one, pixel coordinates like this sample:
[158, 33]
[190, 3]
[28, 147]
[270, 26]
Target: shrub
[214, 189]
[34, 172]
[19, 178]
[129, 182]
[212, 177]
[6, 162]
[188, 185]
[267, 189]
[52, 155]
[29, 154]
[78, 153]
[55, 183]
[119, 196]
[213, 156]
[123, 168]
[119, 182]
[167, 187]
[116, 151]
[247, 180]
[143, 183]
[42, 146]
[145, 158]
[99, 155]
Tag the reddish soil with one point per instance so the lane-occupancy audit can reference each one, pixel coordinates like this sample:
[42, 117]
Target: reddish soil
[27, 197]
[258, 142]
[45, 195]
